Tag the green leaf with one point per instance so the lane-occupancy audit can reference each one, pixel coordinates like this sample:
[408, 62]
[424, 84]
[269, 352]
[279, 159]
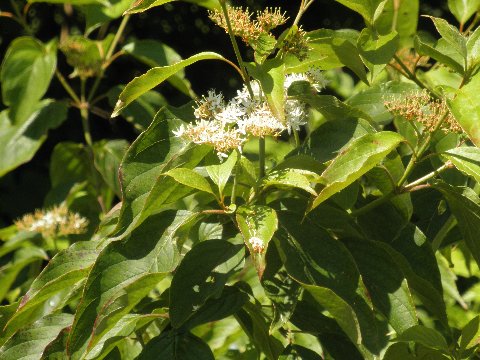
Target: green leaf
[451, 35]
[107, 158]
[123, 328]
[271, 75]
[296, 178]
[281, 289]
[154, 53]
[102, 12]
[473, 49]
[253, 323]
[144, 5]
[73, 2]
[371, 100]
[402, 17]
[467, 213]
[154, 152]
[201, 275]
[341, 311]
[191, 179]
[30, 342]
[470, 334]
[27, 69]
[176, 346]
[425, 336]
[20, 141]
[361, 156]
[66, 269]
[221, 173]
[217, 308]
[377, 50]
[21, 259]
[385, 282]
[332, 138]
[257, 223]
[466, 159]
[424, 46]
[366, 8]
[294, 352]
[141, 111]
[463, 9]
[329, 50]
[155, 77]
[123, 274]
[465, 109]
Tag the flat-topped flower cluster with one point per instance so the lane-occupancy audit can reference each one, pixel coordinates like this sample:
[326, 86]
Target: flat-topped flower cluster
[227, 125]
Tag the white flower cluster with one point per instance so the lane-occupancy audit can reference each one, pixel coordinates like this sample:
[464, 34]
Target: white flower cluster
[226, 125]
[58, 220]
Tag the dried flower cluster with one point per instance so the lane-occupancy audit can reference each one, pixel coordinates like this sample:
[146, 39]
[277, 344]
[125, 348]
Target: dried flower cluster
[226, 125]
[53, 222]
[244, 27]
[420, 107]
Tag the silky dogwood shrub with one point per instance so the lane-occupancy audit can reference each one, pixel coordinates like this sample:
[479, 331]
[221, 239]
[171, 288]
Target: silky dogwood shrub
[285, 222]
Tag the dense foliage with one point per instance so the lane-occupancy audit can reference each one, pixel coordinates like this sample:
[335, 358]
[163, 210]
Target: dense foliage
[328, 208]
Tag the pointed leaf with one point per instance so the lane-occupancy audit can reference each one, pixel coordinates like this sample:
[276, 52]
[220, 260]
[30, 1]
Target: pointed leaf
[26, 72]
[451, 35]
[425, 336]
[361, 156]
[221, 173]
[463, 9]
[466, 110]
[155, 77]
[191, 179]
[466, 159]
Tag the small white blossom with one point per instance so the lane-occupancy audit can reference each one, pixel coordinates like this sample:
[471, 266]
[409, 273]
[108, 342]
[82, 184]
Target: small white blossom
[209, 105]
[231, 113]
[261, 123]
[295, 115]
[257, 244]
[317, 79]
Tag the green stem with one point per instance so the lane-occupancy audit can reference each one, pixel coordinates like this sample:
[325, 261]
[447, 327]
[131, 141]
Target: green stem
[304, 5]
[236, 49]
[233, 198]
[372, 205]
[84, 115]
[413, 77]
[261, 157]
[296, 137]
[110, 51]
[429, 176]
[442, 233]
[67, 87]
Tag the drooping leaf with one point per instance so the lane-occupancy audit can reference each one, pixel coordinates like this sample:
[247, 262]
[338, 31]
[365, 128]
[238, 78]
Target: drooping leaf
[201, 275]
[257, 224]
[361, 156]
[30, 342]
[20, 141]
[465, 109]
[27, 69]
[155, 77]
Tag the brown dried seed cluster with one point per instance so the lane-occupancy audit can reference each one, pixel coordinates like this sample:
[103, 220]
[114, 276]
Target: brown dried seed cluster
[244, 26]
[420, 107]
[55, 221]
